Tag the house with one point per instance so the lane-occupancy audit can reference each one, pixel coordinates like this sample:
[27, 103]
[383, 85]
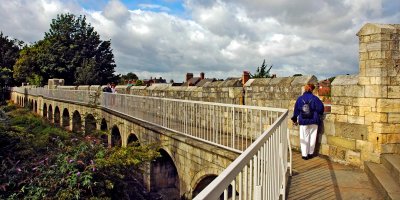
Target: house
[196, 81]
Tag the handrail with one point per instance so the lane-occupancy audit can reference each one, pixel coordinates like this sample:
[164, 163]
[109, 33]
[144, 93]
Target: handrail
[239, 165]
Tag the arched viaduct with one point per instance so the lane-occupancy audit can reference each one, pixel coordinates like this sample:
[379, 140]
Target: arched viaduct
[186, 166]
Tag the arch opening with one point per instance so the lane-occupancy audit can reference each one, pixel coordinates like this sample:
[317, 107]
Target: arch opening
[45, 110]
[104, 128]
[76, 122]
[133, 140]
[57, 116]
[205, 182]
[164, 178]
[35, 107]
[115, 137]
[50, 113]
[65, 119]
[90, 124]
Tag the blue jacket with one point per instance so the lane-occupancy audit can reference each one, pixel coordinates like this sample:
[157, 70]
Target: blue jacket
[316, 106]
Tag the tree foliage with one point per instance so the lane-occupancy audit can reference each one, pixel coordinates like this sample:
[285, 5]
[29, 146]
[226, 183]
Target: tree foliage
[127, 77]
[9, 50]
[71, 50]
[262, 72]
[40, 161]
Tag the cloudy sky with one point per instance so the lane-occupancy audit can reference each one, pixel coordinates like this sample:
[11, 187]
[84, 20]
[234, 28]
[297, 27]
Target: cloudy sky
[221, 38]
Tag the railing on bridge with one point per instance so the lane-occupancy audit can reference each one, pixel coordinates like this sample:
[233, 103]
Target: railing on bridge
[258, 173]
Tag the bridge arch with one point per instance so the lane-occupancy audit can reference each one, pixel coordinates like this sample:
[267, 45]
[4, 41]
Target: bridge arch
[50, 113]
[57, 116]
[90, 124]
[45, 110]
[76, 122]
[104, 129]
[164, 175]
[116, 139]
[65, 119]
[202, 178]
[35, 107]
[132, 138]
[203, 183]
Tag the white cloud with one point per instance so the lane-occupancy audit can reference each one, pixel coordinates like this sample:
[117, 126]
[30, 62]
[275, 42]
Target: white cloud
[221, 38]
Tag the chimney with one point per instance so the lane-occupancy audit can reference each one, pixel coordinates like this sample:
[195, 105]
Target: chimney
[189, 76]
[245, 77]
[202, 75]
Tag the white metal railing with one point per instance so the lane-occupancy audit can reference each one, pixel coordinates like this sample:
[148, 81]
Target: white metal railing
[258, 173]
[230, 126]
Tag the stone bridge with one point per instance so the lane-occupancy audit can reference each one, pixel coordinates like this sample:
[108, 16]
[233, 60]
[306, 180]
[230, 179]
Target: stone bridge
[189, 162]
[186, 166]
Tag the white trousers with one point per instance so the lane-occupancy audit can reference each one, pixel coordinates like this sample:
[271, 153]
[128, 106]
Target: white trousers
[308, 137]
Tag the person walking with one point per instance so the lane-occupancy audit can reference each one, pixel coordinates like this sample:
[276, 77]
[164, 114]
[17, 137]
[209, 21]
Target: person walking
[307, 113]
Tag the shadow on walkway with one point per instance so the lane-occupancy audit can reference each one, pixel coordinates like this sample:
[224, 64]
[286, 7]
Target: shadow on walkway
[320, 178]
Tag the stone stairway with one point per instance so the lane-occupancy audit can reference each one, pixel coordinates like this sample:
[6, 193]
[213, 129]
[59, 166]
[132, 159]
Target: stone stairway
[386, 176]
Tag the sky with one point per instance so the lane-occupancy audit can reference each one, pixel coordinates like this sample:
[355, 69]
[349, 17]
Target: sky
[222, 38]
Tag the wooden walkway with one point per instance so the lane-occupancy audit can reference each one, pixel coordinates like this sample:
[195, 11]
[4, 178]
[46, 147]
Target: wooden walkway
[320, 178]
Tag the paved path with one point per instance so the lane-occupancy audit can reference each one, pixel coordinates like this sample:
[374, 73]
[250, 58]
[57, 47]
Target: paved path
[320, 178]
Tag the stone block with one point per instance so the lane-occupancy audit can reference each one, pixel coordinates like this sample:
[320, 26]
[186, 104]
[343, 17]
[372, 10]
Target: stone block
[364, 39]
[341, 118]
[378, 91]
[371, 117]
[393, 138]
[353, 157]
[337, 109]
[376, 54]
[386, 128]
[364, 146]
[355, 119]
[337, 152]
[352, 110]
[379, 80]
[353, 131]
[354, 91]
[337, 90]
[374, 46]
[362, 80]
[342, 142]
[394, 118]
[346, 101]
[363, 110]
[345, 80]
[374, 71]
[368, 102]
[394, 92]
[388, 105]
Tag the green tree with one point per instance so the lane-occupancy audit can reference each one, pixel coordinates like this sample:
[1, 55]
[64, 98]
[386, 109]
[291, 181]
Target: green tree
[127, 77]
[71, 50]
[9, 50]
[139, 83]
[262, 72]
